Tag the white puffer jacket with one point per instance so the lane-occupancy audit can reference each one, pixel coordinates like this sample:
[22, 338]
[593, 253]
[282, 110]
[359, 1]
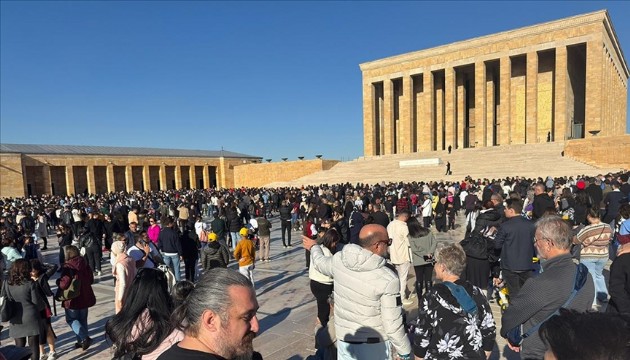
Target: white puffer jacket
[367, 296]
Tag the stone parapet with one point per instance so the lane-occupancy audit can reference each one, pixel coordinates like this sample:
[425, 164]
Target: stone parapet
[256, 175]
[610, 151]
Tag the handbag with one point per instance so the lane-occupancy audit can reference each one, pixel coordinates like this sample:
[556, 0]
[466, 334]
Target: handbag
[7, 304]
[475, 246]
[515, 336]
[73, 291]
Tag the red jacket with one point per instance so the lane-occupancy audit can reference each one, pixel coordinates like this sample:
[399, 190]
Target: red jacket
[86, 296]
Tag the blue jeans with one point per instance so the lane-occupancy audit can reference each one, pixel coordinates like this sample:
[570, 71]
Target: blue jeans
[377, 351]
[77, 319]
[596, 268]
[172, 261]
[235, 237]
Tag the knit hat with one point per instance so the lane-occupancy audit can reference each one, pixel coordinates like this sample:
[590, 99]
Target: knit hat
[580, 185]
[118, 247]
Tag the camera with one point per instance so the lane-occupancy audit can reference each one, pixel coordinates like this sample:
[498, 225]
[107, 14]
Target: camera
[429, 258]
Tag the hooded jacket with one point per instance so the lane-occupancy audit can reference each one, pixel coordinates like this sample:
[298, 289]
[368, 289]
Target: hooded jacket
[367, 304]
[77, 267]
[214, 255]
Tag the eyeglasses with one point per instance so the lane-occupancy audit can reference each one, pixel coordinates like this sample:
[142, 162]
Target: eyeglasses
[536, 239]
[386, 241]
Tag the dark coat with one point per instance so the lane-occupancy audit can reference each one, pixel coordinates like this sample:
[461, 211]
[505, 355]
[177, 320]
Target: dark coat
[515, 239]
[234, 222]
[619, 287]
[484, 219]
[218, 227]
[27, 317]
[168, 241]
[214, 255]
[380, 218]
[542, 202]
[77, 267]
[190, 245]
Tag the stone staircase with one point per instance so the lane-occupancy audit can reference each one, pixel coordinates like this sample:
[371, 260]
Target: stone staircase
[530, 160]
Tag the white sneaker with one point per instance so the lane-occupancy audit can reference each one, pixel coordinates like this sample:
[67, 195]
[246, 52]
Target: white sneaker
[43, 357]
[52, 355]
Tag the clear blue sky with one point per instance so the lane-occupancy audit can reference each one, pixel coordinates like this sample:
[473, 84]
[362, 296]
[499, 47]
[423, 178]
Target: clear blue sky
[272, 79]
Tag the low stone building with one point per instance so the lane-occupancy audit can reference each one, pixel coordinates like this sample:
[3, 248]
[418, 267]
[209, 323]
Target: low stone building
[67, 169]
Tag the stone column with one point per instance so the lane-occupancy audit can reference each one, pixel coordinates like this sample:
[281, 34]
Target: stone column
[426, 126]
[504, 98]
[480, 104]
[388, 117]
[192, 175]
[532, 96]
[404, 109]
[449, 108]
[111, 183]
[163, 185]
[488, 125]
[561, 127]
[178, 176]
[91, 179]
[129, 178]
[206, 176]
[146, 178]
[461, 110]
[369, 125]
[593, 111]
[46, 180]
[438, 116]
[69, 180]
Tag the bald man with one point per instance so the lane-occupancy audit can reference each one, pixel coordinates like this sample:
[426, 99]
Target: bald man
[368, 307]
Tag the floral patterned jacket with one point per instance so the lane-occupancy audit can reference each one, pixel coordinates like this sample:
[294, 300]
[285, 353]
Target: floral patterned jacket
[444, 330]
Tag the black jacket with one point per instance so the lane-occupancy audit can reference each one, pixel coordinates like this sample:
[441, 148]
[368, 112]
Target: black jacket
[542, 202]
[515, 239]
[214, 255]
[285, 213]
[168, 241]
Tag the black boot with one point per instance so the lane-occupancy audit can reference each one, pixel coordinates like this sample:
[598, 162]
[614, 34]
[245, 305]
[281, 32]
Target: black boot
[428, 285]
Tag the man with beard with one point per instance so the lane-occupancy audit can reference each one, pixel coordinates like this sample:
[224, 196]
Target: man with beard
[218, 319]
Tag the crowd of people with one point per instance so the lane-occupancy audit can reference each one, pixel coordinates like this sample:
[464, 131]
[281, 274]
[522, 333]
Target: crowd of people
[361, 242]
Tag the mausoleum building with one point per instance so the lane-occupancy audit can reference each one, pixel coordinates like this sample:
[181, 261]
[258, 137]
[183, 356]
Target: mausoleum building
[561, 80]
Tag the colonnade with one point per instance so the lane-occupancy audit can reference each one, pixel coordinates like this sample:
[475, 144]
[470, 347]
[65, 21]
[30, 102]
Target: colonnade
[72, 179]
[542, 93]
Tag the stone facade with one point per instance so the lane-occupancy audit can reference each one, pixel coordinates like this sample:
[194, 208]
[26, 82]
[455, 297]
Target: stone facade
[24, 174]
[561, 80]
[613, 151]
[257, 175]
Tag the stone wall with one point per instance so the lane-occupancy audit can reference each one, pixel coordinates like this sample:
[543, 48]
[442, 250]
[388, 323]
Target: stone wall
[11, 174]
[610, 151]
[256, 175]
[21, 174]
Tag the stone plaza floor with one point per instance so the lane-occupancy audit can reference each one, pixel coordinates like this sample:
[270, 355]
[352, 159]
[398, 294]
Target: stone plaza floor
[287, 311]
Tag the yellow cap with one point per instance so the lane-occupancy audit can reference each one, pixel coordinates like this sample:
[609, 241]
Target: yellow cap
[212, 237]
[243, 232]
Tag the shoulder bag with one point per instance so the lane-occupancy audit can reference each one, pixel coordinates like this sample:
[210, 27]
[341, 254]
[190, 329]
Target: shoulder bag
[73, 291]
[7, 304]
[515, 335]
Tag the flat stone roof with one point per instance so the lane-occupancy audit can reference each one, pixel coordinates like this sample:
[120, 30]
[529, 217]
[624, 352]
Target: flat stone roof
[577, 20]
[116, 151]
